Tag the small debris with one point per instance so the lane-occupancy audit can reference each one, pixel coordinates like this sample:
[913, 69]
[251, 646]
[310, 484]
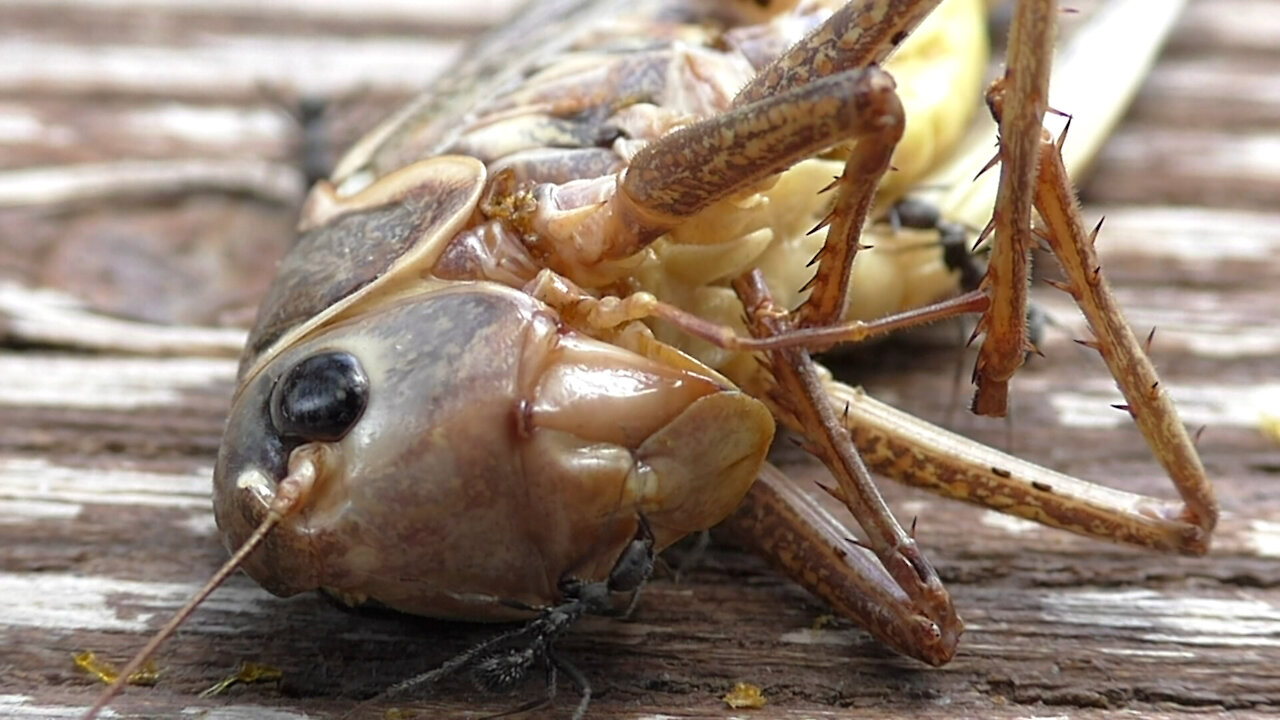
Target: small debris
[822, 621]
[106, 672]
[745, 696]
[1270, 425]
[248, 673]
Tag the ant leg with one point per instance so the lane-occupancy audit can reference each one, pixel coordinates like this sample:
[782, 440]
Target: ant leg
[635, 566]
[691, 555]
[576, 677]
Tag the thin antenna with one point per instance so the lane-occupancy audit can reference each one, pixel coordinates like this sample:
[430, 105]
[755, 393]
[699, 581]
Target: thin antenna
[289, 494]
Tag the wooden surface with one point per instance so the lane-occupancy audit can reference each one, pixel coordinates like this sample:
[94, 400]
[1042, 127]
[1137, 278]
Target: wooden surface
[149, 172]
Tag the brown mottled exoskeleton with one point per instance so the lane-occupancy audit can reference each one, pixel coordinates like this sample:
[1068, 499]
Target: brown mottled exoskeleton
[558, 306]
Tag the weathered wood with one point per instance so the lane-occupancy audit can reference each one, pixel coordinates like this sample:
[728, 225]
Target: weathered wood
[106, 449]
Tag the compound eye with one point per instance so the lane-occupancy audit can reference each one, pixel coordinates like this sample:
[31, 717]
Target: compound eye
[320, 398]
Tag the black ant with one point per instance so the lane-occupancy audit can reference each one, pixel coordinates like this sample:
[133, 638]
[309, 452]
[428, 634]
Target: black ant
[919, 214]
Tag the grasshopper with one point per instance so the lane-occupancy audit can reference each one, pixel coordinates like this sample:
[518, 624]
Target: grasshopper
[546, 320]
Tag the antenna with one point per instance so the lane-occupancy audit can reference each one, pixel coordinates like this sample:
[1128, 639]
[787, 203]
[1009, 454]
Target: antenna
[289, 494]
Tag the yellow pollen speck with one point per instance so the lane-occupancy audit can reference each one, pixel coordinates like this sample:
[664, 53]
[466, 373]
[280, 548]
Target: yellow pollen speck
[745, 696]
[107, 673]
[1270, 426]
[248, 673]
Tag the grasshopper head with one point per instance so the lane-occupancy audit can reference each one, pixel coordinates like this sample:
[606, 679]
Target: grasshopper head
[470, 452]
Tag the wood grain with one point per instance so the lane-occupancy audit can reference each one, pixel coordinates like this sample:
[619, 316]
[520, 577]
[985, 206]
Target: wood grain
[121, 308]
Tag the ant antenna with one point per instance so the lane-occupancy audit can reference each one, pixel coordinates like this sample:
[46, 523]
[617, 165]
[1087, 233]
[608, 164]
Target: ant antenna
[289, 494]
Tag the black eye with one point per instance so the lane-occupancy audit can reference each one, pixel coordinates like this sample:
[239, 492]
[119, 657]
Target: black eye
[320, 398]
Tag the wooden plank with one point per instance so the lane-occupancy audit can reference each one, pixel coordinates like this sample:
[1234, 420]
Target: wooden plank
[109, 427]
